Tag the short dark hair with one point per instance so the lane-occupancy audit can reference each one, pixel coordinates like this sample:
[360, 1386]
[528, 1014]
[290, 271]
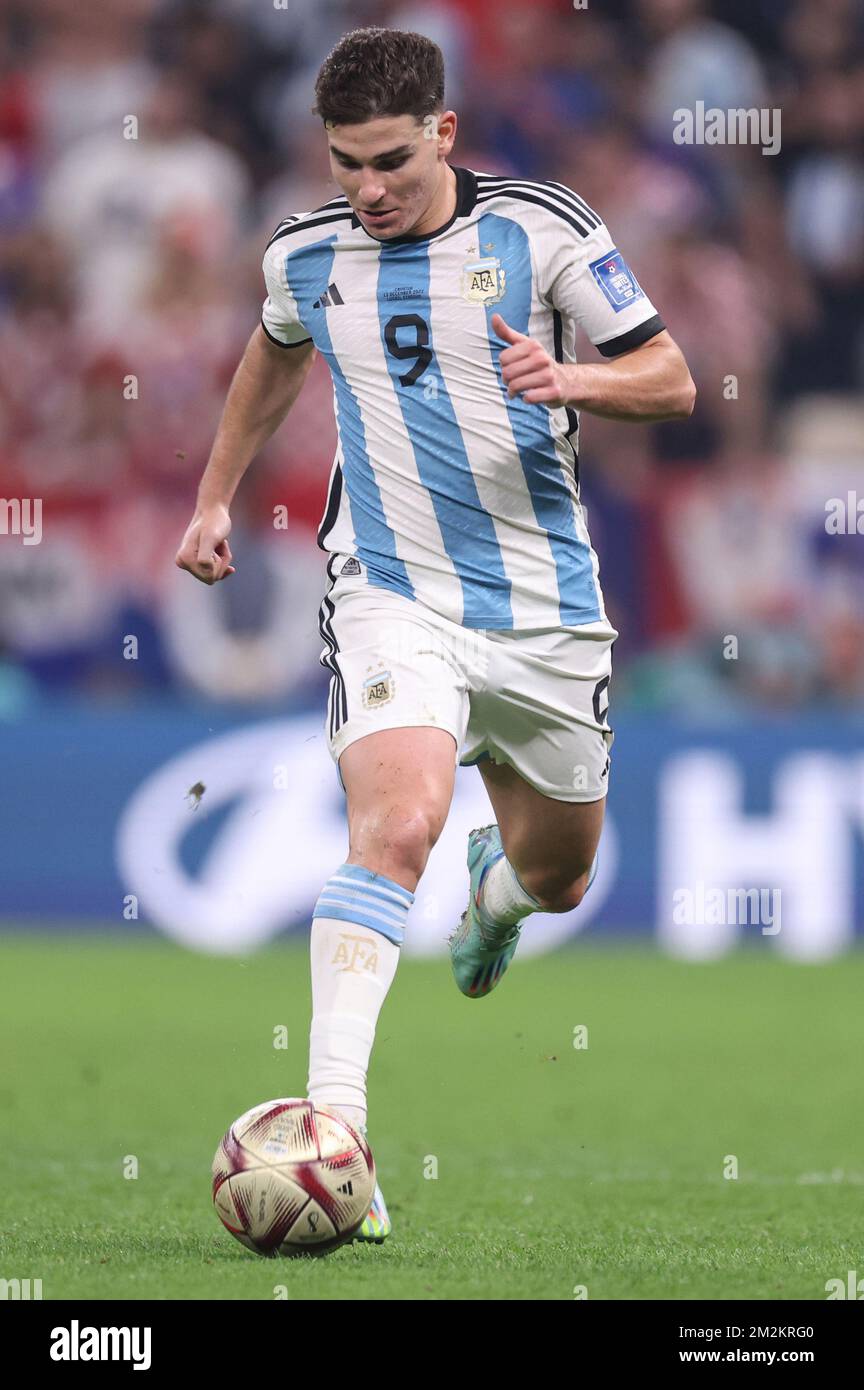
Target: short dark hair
[380, 72]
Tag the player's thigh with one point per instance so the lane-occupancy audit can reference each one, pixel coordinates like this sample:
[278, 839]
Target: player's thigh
[397, 711]
[551, 844]
[399, 786]
[543, 711]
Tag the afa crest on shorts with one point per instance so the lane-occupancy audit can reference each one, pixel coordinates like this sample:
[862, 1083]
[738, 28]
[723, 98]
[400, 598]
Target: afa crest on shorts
[378, 689]
[483, 280]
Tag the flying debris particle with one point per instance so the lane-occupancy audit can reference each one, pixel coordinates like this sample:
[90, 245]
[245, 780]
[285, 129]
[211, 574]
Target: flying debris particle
[194, 795]
[180, 453]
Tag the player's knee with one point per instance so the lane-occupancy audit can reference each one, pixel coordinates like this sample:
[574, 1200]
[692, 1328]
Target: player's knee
[397, 840]
[556, 892]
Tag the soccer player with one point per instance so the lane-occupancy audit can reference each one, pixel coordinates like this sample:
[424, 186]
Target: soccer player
[463, 621]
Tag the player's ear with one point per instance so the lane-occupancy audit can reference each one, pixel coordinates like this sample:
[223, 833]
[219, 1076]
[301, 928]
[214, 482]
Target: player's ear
[442, 125]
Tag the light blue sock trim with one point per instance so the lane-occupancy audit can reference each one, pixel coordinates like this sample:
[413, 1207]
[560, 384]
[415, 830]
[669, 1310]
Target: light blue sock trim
[364, 875]
[366, 899]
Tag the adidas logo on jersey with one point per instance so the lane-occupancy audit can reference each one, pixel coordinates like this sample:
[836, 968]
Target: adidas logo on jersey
[330, 296]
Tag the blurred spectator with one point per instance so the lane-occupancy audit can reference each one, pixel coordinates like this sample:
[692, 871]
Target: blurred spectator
[109, 197]
[695, 58]
[92, 69]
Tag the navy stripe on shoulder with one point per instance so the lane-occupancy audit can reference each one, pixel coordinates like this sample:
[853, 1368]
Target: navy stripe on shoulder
[319, 218]
[558, 192]
[569, 193]
[523, 196]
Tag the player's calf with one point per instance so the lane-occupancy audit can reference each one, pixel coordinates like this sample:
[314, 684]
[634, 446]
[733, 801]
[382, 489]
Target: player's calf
[499, 902]
[558, 891]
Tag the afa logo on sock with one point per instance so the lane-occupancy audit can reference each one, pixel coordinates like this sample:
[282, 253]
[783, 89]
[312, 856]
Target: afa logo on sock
[356, 955]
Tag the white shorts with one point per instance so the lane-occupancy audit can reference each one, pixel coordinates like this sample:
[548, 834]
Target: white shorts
[537, 700]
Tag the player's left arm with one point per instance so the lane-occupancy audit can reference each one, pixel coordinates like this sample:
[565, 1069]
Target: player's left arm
[648, 382]
[582, 276]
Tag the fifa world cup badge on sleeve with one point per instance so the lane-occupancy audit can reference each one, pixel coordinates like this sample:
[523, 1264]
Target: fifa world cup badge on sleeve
[616, 280]
[482, 279]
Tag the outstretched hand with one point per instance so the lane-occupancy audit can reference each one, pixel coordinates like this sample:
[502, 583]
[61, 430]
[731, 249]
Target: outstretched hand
[528, 370]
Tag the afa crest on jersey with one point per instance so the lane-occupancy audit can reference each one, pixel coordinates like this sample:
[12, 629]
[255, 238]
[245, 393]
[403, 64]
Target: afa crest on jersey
[483, 280]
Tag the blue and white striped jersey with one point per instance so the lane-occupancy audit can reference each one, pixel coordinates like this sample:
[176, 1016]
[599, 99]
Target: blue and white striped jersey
[447, 491]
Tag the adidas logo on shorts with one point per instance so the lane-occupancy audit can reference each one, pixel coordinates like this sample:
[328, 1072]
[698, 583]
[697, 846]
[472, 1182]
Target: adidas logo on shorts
[350, 566]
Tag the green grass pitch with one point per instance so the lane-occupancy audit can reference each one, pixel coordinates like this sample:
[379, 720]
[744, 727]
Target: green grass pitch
[557, 1167]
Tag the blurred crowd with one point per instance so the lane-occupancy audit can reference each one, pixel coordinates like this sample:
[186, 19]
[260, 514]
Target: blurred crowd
[149, 147]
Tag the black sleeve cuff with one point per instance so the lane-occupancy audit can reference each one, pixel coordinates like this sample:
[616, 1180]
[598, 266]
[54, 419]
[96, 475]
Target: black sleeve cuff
[300, 343]
[635, 338]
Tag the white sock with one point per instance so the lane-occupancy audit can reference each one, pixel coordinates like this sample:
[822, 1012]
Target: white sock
[357, 931]
[352, 1113]
[503, 899]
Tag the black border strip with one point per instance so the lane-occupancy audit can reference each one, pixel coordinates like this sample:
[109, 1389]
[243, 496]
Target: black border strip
[300, 343]
[635, 338]
[338, 696]
[572, 415]
[334, 498]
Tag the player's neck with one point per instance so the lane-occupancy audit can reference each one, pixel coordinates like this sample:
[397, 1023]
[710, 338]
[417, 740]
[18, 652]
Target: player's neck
[442, 207]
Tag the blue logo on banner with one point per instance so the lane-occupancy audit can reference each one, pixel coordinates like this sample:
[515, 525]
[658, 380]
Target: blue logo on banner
[616, 280]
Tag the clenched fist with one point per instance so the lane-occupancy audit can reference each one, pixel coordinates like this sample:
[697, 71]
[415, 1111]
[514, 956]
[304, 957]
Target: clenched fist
[204, 550]
[528, 370]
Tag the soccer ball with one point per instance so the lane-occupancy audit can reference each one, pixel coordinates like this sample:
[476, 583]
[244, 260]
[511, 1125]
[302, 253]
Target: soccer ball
[292, 1178]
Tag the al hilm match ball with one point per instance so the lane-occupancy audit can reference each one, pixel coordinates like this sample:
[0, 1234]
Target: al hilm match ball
[292, 1178]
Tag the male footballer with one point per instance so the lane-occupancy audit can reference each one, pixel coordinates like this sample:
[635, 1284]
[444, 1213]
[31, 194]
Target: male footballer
[463, 622]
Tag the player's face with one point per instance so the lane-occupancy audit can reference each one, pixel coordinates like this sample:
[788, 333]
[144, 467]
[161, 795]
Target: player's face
[392, 170]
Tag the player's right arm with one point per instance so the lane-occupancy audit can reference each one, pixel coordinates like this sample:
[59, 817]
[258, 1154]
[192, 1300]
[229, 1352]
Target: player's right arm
[266, 384]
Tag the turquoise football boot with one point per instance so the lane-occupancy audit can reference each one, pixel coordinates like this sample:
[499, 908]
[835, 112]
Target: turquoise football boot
[480, 951]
